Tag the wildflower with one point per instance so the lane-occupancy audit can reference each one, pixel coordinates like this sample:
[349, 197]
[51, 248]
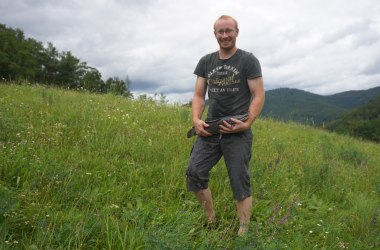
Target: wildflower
[114, 206]
[343, 245]
[374, 220]
[310, 231]
[271, 219]
[284, 219]
[277, 208]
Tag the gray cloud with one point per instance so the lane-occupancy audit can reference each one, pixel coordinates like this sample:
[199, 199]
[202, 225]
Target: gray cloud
[323, 46]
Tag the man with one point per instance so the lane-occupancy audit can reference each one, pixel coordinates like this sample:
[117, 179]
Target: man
[235, 87]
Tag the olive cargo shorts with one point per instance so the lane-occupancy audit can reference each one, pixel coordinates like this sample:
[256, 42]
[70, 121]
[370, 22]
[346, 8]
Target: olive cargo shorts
[207, 151]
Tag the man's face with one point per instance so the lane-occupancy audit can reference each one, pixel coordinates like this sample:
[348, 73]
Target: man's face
[225, 33]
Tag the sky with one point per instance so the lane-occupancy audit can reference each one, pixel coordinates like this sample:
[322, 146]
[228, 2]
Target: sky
[321, 46]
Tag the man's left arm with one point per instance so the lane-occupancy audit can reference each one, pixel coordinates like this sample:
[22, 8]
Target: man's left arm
[256, 87]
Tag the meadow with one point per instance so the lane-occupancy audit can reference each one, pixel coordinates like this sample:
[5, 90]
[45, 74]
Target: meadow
[89, 171]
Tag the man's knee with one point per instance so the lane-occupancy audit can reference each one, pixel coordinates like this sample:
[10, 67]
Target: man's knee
[194, 182]
[202, 192]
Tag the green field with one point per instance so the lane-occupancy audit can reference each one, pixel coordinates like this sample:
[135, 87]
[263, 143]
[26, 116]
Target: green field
[87, 171]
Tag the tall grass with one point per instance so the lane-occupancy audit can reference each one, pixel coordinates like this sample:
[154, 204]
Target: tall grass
[86, 171]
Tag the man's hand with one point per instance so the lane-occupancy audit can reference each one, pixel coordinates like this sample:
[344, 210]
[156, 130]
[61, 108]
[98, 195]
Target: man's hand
[235, 126]
[200, 126]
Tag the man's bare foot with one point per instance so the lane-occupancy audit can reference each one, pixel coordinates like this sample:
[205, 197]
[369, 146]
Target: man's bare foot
[211, 220]
[243, 229]
[211, 223]
[210, 216]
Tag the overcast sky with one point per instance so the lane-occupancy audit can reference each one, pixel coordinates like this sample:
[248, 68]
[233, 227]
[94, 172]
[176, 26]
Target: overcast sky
[321, 46]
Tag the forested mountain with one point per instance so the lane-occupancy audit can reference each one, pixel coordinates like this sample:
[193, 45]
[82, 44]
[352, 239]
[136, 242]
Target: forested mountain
[354, 98]
[25, 59]
[362, 122]
[305, 107]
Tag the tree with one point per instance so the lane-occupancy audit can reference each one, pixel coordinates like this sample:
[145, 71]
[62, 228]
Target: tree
[28, 59]
[18, 55]
[91, 79]
[68, 70]
[118, 87]
[49, 65]
[161, 98]
[127, 92]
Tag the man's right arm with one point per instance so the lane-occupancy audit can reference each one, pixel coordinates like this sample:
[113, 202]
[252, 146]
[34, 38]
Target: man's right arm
[198, 106]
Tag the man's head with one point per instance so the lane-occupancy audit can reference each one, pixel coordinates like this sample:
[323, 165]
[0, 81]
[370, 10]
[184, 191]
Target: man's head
[226, 30]
[226, 17]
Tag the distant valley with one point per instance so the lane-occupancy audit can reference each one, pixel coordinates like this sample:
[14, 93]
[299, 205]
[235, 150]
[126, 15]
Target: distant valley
[355, 113]
[301, 106]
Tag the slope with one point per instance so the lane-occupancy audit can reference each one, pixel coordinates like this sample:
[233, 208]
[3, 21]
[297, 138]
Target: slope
[363, 122]
[86, 171]
[305, 107]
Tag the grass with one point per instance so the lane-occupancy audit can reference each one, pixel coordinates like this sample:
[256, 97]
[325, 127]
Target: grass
[86, 171]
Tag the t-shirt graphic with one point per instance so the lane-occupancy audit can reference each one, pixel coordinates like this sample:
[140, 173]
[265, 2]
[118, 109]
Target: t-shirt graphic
[228, 89]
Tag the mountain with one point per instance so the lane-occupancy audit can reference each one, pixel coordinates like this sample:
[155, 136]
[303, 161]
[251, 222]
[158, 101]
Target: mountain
[362, 122]
[305, 107]
[354, 98]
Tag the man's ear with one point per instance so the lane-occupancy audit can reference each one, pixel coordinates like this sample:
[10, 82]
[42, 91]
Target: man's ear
[237, 31]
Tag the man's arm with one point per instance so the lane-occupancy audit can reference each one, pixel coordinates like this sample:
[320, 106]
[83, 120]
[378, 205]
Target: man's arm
[198, 106]
[256, 87]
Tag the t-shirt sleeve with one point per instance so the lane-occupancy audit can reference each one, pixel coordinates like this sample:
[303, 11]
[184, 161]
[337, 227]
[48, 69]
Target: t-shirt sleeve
[200, 70]
[253, 67]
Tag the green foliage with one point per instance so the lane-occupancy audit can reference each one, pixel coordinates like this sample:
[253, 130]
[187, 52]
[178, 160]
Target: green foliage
[88, 171]
[18, 55]
[354, 98]
[307, 108]
[363, 122]
[23, 59]
[297, 105]
[118, 87]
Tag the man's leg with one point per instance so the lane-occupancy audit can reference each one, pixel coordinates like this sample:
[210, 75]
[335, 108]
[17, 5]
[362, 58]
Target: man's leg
[205, 154]
[205, 199]
[237, 150]
[244, 212]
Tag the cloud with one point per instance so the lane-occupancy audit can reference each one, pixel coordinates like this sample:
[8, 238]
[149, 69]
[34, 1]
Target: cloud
[324, 46]
[356, 34]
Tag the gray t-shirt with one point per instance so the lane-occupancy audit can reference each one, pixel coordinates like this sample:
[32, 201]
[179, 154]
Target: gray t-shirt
[227, 84]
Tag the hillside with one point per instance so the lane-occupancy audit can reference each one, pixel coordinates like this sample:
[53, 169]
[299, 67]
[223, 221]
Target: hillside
[90, 171]
[363, 122]
[304, 107]
[354, 98]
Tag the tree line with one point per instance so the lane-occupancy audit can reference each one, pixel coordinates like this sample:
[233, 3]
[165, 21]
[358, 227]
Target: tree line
[363, 122]
[26, 59]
